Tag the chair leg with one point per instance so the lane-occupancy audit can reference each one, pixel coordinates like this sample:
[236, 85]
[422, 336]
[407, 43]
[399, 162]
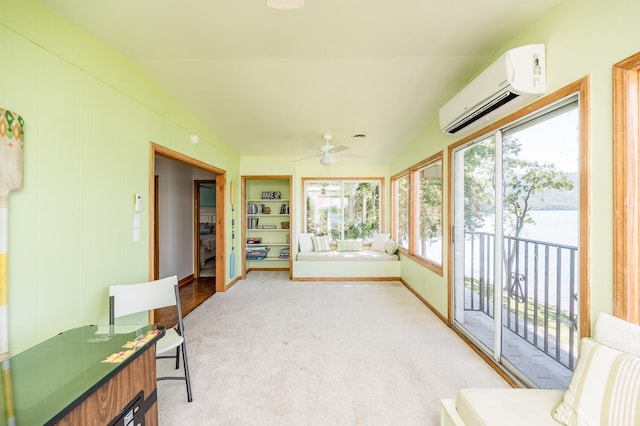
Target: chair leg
[178, 357]
[186, 371]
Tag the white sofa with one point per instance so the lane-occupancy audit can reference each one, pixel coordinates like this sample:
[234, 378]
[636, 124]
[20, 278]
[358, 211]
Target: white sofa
[586, 398]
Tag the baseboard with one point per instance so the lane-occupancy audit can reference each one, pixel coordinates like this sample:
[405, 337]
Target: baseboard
[426, 303]
[228, 286]
[345, 279]
[186, 280]
[267, 269]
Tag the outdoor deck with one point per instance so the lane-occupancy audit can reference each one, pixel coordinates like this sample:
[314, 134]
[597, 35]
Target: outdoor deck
[533, 363]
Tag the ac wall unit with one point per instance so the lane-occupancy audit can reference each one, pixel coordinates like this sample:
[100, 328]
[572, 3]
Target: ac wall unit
[516, 78]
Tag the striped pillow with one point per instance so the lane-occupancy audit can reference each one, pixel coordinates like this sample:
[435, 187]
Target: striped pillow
[604, 388]
[349, 245]
[321, 243]
[391, 247]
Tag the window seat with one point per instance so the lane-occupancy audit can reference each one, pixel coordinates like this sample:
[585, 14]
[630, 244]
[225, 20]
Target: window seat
[346, 265]
[358, 256]
[319, 258]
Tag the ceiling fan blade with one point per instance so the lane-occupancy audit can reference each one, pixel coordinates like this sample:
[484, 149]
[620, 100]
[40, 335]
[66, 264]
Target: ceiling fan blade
[309, 156]
[339, 148]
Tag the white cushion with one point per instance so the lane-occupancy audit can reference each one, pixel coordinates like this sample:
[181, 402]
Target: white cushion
[304, 240]
[321, 243]
[604, 388]
[512, 407]
[617, 333]
[346, 255]
[349, 245]
[379, 241]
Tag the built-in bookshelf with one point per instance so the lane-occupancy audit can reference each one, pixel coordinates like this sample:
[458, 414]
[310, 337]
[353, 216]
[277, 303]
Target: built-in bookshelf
[266, 230]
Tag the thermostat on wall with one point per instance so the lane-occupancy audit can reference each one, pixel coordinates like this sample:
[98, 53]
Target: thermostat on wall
[138, 203]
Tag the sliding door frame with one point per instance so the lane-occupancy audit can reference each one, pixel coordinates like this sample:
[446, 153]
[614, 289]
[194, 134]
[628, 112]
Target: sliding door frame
[582, 88]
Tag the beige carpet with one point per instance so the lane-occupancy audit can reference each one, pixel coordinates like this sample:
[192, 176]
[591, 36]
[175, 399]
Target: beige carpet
[274, 352]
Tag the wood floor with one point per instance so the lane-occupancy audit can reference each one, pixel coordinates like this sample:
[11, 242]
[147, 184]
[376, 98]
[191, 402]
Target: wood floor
[191, 296]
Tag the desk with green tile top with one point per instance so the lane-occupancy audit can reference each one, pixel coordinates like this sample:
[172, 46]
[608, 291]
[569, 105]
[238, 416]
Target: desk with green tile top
[91, 375]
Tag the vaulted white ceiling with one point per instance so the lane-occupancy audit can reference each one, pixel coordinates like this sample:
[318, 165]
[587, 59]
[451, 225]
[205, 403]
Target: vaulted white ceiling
[271, 82]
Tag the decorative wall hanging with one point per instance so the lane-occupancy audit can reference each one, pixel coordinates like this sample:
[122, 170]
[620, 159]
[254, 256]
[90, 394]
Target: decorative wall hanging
[11, 165]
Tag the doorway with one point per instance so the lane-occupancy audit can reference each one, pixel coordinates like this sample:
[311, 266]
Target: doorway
[204, 203]
[174, 226]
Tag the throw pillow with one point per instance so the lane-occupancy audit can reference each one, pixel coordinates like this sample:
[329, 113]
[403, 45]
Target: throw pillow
[379, 240]
[304, 240]
[321, 243]
[349, 245]
[604, 388]
[617, 333]
[391, 247]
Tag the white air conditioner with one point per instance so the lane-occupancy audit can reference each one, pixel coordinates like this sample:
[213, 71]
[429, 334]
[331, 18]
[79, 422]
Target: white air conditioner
[516, 78]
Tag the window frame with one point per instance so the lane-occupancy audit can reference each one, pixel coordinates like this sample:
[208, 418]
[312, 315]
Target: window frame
[379, 180]
[394, 209]
[414, 212]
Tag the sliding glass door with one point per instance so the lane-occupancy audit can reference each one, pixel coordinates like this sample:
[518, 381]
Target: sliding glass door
[516, 222]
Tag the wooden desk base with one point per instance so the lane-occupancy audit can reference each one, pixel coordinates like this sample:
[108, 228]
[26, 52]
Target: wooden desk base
[112, 397]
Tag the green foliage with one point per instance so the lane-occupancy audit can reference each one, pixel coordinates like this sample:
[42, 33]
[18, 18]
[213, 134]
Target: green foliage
[524, 181]
[359, 215]
[431, 209]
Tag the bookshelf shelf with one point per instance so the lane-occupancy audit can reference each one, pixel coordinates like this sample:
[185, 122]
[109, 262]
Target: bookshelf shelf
[266, 213]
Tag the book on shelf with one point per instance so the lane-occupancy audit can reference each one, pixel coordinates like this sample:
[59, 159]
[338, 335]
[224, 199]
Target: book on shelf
[284, 208]
[258, 253]
[252, 223]
[255, 208]
[284, 253]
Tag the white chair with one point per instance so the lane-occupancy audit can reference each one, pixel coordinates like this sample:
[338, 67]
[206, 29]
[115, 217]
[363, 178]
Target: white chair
[128, 299]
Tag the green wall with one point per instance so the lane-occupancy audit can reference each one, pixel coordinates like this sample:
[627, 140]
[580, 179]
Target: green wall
[90, 116]
[89, 119]
[582, 38]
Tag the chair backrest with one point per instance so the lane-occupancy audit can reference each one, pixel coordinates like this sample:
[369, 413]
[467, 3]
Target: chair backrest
[128, 299]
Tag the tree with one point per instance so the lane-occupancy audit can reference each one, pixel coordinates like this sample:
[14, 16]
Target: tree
[523, 180]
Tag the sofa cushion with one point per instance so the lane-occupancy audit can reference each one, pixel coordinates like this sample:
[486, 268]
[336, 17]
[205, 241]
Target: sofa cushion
[321, 243]
[304, 240]
[379, 241]
[604, 388]
[349, 245]
[513, 407]
[617, 333]
[346, 255]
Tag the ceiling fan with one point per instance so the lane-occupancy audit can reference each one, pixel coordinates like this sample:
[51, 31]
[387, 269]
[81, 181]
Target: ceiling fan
[327, 152]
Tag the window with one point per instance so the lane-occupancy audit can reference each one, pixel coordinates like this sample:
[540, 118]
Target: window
[417, 211]
[400, 214]
[428, 215]
[343, 208]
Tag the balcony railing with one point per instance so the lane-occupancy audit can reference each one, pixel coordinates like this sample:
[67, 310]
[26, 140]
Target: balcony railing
[539, 300]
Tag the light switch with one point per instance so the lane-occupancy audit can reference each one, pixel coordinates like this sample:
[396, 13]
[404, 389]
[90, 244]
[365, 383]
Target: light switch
[136, 221]
[137, 205]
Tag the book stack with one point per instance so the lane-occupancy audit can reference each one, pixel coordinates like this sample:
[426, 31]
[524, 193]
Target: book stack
[257, 253]
[252, 223]
[285, 253]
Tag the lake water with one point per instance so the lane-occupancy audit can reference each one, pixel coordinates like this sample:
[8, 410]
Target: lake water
[553, 226]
